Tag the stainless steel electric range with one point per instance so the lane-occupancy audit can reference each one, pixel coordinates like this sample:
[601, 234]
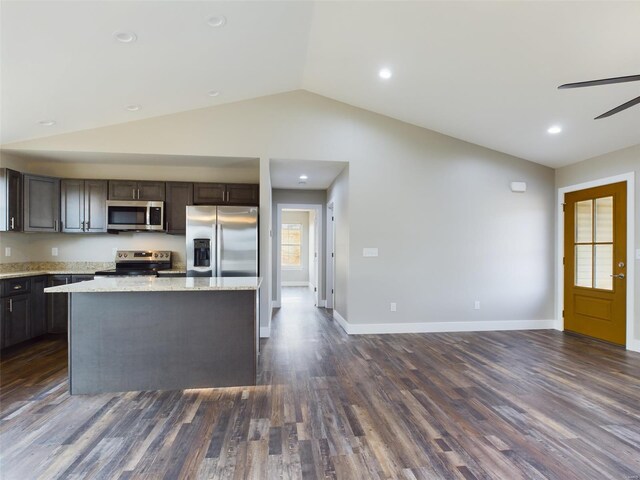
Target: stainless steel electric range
[138, 262]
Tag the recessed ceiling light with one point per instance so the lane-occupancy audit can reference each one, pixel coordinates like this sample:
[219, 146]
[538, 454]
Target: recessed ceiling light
[554, 129]
[133, 107]
[216, 21]
[303, 177]
[385, 74]
[213, 93]
[47, 123]
[125, 37]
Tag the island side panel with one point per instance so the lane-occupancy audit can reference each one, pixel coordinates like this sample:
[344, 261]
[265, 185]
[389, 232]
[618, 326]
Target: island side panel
[130, 341]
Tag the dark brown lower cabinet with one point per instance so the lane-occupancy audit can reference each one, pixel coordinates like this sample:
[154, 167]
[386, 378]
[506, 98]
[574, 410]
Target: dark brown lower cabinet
[16, 315]
[39, 310]
[59, 302]
[24, 310]
[58, 305]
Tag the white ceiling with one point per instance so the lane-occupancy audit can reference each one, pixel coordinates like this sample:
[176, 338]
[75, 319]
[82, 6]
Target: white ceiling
[321, 174]
[485, 72]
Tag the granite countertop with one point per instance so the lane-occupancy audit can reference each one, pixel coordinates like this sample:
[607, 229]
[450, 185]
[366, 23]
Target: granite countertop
[33, 269]
[35, 273]
[158, 284]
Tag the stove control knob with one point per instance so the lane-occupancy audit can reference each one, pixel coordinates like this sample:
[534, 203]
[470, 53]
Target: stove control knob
[120, 255]
[155, 255]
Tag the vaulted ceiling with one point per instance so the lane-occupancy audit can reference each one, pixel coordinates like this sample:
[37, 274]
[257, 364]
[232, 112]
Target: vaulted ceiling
[485, 72]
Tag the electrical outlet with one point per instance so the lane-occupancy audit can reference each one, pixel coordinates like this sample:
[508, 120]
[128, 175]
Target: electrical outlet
[7, 251]
[476, 305]
[54, 251]
[393, 306]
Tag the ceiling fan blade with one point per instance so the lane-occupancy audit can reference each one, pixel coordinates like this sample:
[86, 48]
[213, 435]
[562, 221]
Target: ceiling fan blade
[604, 81]
[619, 108]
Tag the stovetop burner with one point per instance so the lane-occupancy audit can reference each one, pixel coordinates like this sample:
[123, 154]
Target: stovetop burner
[139, 262]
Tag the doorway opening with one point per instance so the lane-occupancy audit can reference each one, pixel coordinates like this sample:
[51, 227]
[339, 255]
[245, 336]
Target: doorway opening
[299, 255]
[595, 271]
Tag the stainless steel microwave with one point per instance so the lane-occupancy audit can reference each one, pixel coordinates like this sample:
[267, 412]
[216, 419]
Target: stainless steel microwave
[135, 215]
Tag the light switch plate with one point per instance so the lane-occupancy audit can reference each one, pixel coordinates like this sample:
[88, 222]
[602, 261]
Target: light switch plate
[7, 251]
[54, 251]
[369, 252]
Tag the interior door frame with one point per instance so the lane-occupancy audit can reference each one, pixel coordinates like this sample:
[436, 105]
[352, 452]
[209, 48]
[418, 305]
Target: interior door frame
[331, 248]
[629, 178]
[319, 233]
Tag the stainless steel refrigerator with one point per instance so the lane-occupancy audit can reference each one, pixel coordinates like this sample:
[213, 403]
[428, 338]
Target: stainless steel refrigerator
[222, 241]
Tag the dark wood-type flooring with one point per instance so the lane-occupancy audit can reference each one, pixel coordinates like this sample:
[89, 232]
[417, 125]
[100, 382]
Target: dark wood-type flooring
[500, 405]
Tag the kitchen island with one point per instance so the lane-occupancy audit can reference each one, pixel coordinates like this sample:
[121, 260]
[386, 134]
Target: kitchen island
[152, 333]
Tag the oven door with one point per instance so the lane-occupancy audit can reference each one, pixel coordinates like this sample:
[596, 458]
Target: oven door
[135, 215]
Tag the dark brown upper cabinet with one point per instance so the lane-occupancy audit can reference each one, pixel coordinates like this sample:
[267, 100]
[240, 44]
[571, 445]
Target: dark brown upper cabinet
[135, 190]
[179, 195]
[41, 201]
[11, 195]
[83, 206]
[208, 193]
[225, 194]
[242, 194]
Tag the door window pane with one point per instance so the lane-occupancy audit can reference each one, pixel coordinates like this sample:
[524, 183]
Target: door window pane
[604, 219]
[584, 225]
[604, 267]
[584, 265]
[291, 245]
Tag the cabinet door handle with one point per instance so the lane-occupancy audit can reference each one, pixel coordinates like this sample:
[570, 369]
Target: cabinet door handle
[11, 305]
[88, 224]
[55, 225]
[133, 193]
[13, 224]
[17, 287]
[138, 194]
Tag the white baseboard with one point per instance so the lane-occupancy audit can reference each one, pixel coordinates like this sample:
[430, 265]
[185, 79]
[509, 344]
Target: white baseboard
[265, 332]
[294, 284]
[322, 303]
[634, 346]
[434, 327]
[341, 321]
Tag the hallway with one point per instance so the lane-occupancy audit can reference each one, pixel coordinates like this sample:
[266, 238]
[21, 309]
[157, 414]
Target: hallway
[328, 405]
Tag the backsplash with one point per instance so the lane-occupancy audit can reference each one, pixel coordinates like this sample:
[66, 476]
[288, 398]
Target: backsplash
[78, 267]
[37, 247]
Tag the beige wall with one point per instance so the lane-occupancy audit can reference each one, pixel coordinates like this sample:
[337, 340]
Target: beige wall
[615, 163]
[140, 171]
[448, 229]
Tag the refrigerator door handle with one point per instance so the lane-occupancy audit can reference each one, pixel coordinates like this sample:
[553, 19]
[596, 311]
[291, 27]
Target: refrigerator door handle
[218, 250]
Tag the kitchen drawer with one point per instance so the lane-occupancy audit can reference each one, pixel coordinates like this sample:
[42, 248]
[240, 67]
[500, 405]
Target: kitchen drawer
[15, 286]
